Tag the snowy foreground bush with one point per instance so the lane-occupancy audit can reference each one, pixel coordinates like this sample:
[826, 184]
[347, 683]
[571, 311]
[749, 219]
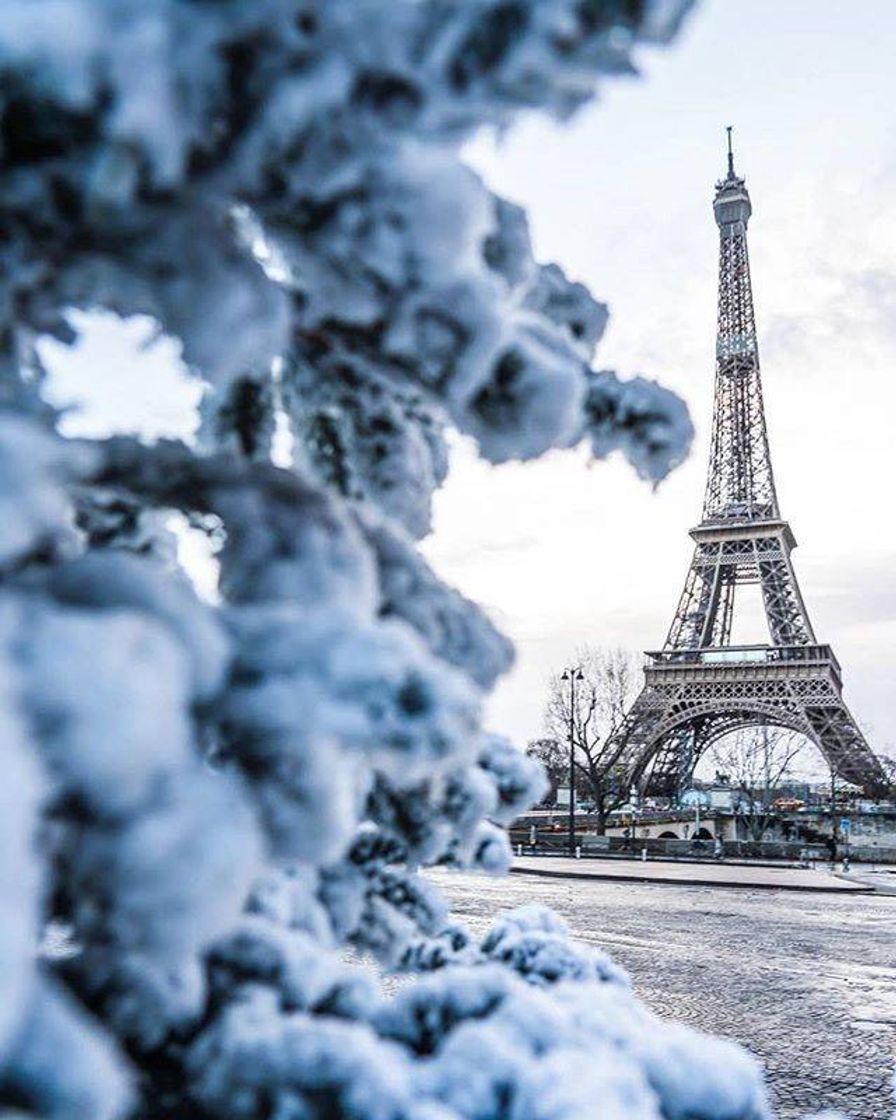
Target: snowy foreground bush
[208, 803]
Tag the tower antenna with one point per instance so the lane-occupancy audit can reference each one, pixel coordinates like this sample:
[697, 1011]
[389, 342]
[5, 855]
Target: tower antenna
[730, 153]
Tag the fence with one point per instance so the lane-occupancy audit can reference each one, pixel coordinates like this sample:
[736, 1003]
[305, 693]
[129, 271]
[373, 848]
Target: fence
[553, 843]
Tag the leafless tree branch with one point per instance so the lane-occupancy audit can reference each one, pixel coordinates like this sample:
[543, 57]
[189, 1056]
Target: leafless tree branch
[612, 678]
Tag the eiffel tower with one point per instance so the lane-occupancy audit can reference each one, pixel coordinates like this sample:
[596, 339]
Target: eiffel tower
[699, 686]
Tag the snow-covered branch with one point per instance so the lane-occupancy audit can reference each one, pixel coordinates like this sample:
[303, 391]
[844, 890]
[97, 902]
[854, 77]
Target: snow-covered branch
[205, 803]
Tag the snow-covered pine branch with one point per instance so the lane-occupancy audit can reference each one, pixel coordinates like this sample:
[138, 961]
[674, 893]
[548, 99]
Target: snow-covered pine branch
[205, 803]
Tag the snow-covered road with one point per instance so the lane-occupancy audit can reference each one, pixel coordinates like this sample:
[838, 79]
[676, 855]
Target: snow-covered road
[806, 981]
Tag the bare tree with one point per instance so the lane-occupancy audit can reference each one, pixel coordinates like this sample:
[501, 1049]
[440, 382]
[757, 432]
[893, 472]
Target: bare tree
[888, 762]
[756, 762]
[611, 680]
[554, 757]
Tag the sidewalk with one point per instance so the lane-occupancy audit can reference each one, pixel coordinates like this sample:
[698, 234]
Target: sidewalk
[691, 874]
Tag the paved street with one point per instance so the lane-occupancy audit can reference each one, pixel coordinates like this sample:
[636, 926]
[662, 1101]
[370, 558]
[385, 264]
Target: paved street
[806, 981]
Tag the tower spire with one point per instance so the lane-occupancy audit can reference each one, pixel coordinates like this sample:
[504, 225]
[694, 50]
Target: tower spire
[740, 484]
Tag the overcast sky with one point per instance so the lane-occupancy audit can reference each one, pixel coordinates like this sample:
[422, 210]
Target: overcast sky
[561, 553]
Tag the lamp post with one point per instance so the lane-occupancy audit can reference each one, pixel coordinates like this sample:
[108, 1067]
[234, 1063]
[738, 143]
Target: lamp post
[834, 830]
[572, 675]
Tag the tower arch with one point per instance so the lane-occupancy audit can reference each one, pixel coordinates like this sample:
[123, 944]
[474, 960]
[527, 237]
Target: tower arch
[666, 764]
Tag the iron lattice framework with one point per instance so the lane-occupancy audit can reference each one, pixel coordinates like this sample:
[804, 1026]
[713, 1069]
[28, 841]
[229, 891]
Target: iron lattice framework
[699, 686]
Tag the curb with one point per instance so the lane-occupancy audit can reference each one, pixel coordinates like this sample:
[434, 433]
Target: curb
[884, 889]
[729, 884]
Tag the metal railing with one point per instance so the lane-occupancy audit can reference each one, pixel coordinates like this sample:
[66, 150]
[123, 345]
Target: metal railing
[744, 655]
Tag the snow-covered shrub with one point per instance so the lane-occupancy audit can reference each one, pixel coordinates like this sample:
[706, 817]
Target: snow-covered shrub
[206, 803]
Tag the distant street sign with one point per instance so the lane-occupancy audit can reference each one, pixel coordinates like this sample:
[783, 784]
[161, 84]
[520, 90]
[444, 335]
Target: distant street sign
[844, 824]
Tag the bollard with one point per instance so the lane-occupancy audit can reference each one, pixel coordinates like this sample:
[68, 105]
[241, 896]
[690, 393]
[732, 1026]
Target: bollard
[643, 855]
[519, 849]
[578, 851]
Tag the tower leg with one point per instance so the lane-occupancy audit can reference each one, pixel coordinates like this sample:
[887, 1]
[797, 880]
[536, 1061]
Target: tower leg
[845, 748]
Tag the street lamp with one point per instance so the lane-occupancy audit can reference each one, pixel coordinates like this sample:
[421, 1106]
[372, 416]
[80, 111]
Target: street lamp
[834, 834]
[572, 676]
